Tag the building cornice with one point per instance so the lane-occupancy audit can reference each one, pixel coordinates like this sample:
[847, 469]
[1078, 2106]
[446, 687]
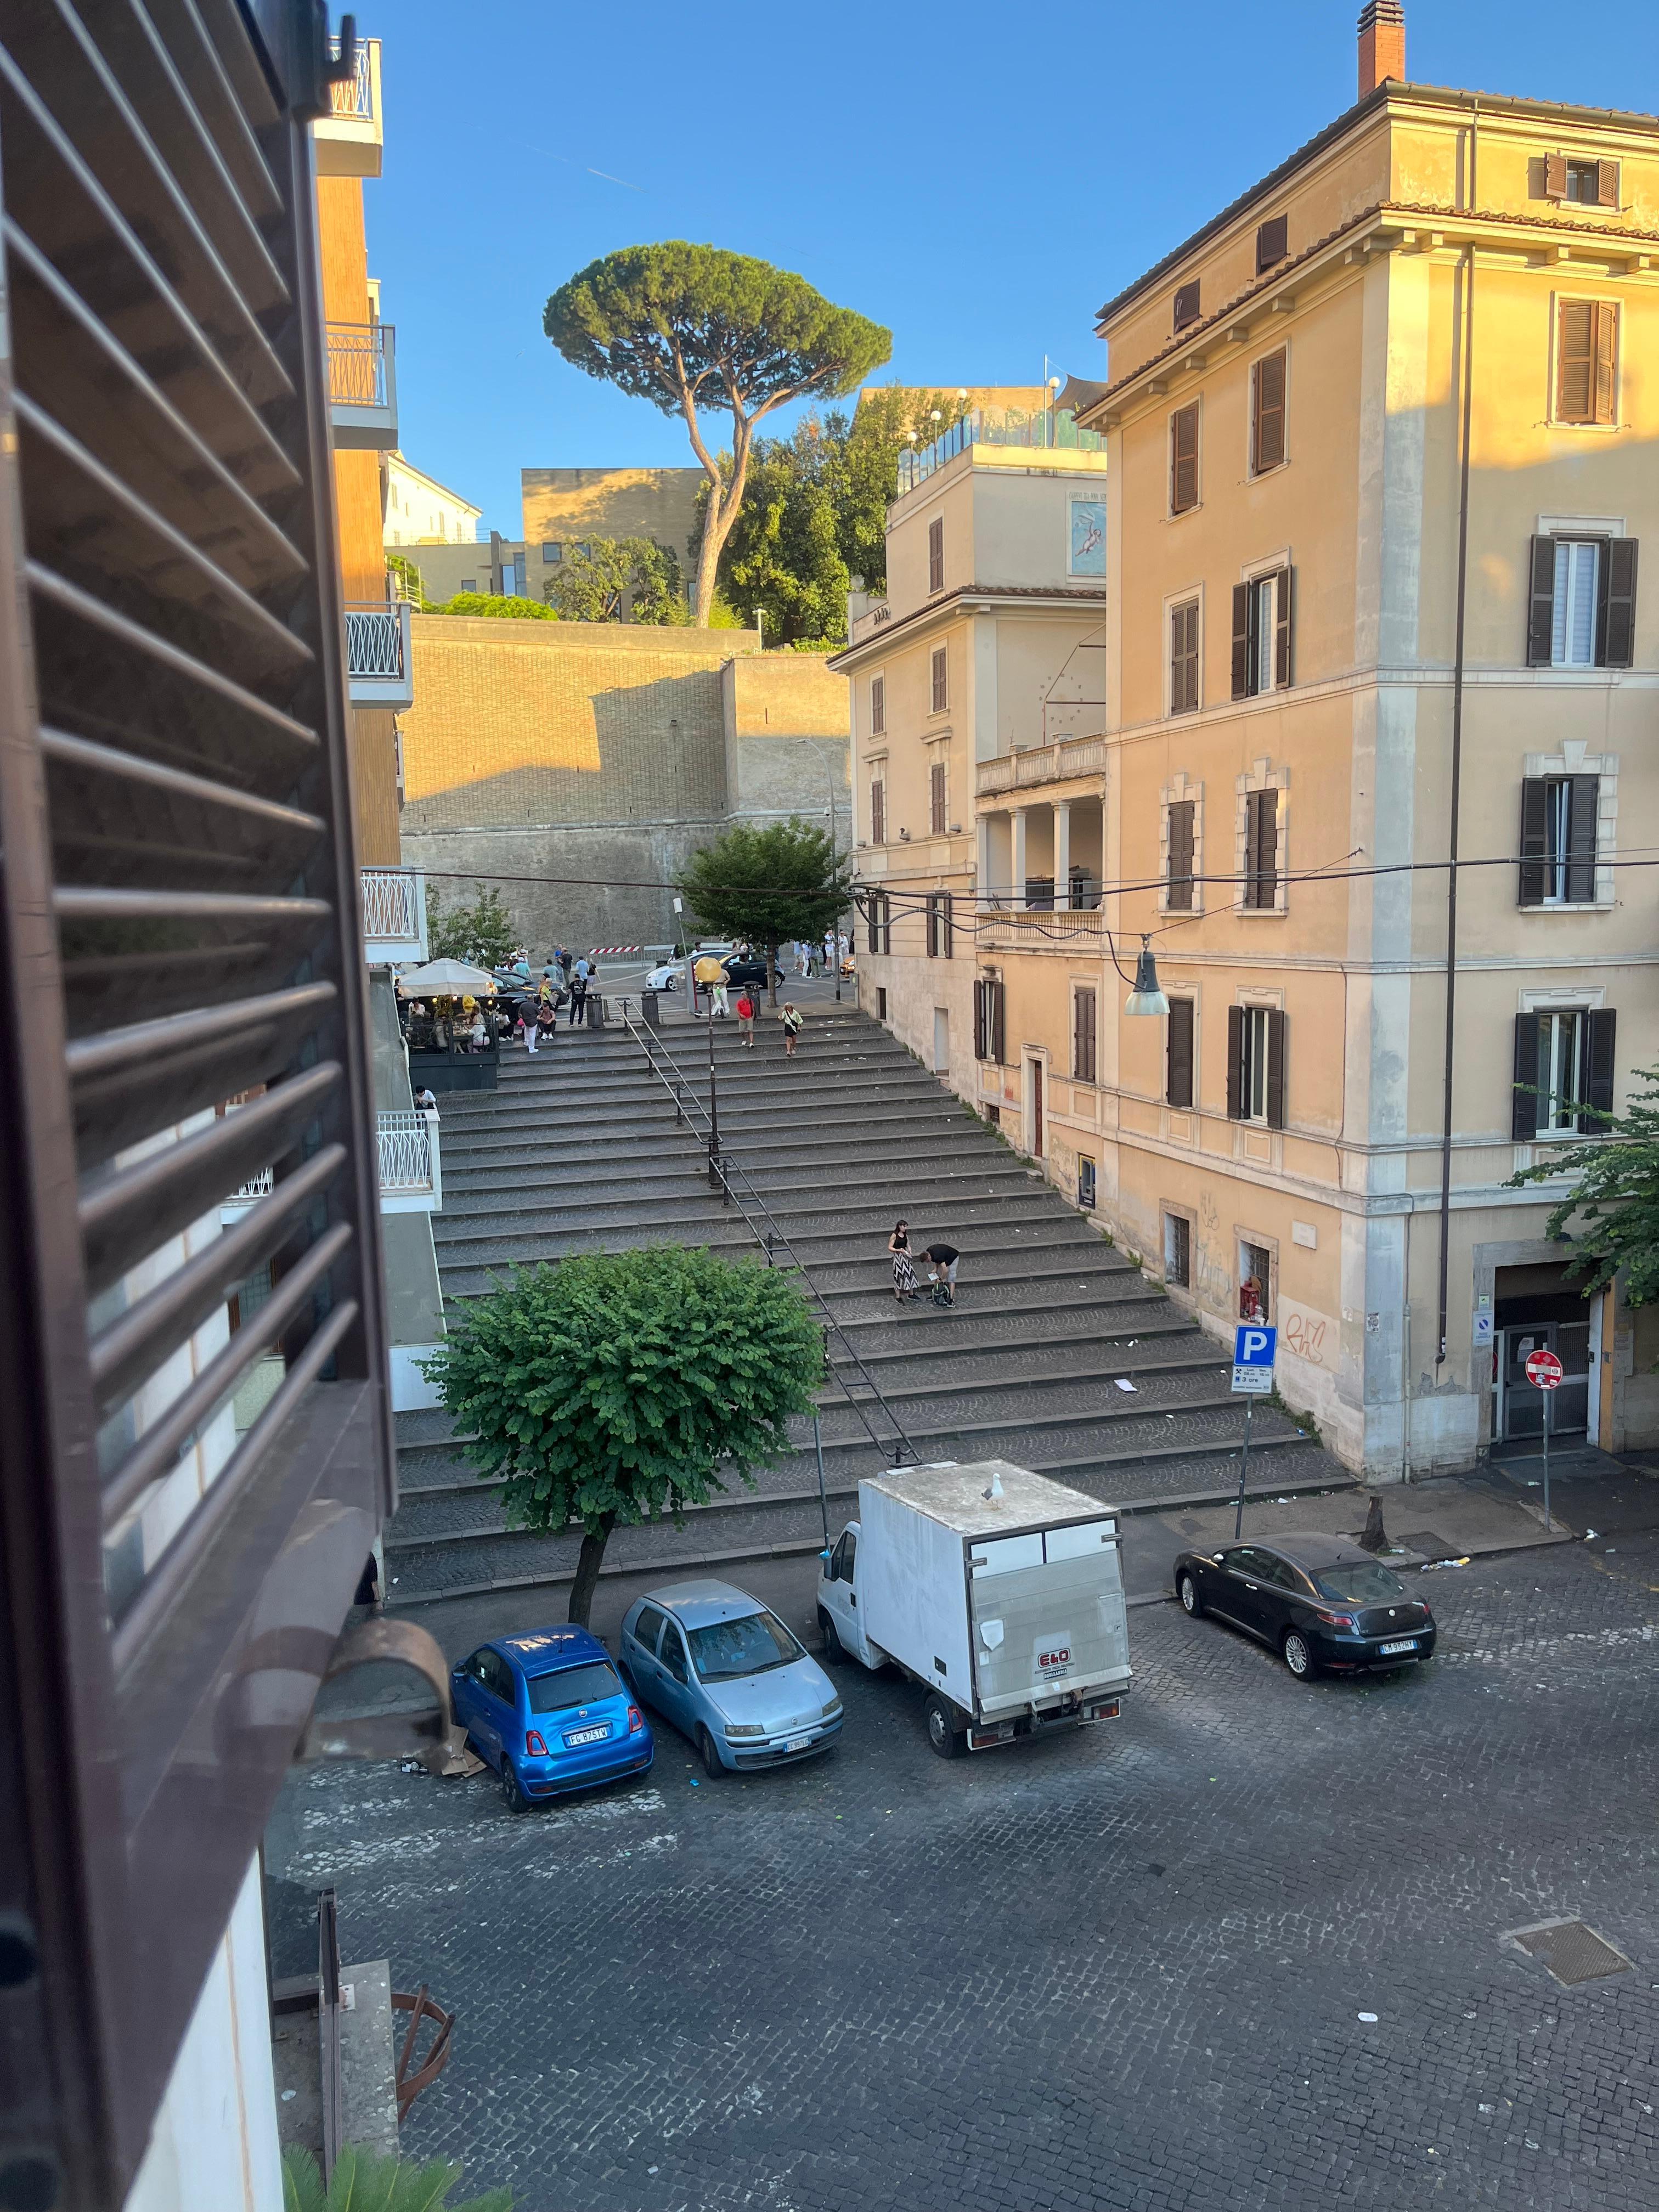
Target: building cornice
[995, 597]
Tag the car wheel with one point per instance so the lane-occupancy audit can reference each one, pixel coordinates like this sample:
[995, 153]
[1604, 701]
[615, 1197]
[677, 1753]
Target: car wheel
[512, 1795]
[942, 1734]
[1191, 1603]
[711, 1757]
[1298, 1658]
[833, 1654]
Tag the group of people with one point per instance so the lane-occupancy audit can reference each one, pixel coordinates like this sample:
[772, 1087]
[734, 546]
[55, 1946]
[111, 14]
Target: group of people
[941, 1260]
[445, 1026]
[565, 983]
[812, 959]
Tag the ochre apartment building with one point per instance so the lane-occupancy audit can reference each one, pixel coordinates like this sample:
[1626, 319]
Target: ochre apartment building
[1380, 447]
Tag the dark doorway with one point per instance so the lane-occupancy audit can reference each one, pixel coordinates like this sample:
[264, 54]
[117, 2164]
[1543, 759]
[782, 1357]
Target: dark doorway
[1537, 1310]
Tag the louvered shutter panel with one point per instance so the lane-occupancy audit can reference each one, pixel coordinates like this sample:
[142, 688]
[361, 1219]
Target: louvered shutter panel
[1275, 1068]
[1178, 1055]
[1179, 897]
[1575, 361]
[1524, 1115]
[1534, 802]
[877, 813]
[1555, 176]
[1186, 304]
[1617, 643]
[1607, 359]
[1607, 184]
[1581, 838]
[1236, 1063]
[981, 1019]
[1602, 1025]
[1282, 628]
[1083, 1036]
[1241, 641]
[1183, 464]
[1271, 242]
[998, 1002]
[1541, 604]
[947, 908]
[1268, 425]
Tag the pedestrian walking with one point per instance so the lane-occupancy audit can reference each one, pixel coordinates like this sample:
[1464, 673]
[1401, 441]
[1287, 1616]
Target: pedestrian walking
[942, 1271]
[794, 1022]
[746, 1017]
[829, 951]
[904, 1268]
[706, 973]
[566, 960]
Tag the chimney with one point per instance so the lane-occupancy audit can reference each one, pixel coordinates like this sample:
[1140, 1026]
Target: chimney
[1382, 45]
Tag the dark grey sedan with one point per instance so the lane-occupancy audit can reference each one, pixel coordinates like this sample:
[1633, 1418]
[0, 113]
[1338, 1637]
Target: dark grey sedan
[1319, 1601]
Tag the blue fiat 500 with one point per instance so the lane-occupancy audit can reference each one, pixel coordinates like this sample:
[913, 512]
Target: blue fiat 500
[549, 1712]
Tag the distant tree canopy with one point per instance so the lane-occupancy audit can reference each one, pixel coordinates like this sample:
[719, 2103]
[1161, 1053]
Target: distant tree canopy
[498, 604]
[619, 580]
[481, 933]
[695, 329]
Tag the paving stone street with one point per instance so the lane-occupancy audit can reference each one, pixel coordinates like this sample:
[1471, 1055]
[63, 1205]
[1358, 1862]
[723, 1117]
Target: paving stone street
[1125, 1968]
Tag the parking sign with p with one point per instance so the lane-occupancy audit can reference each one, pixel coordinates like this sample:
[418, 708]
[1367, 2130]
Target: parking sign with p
[1254, 1347]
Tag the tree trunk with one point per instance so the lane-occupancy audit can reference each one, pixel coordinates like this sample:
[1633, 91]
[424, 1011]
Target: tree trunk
[725, 501]
[587, 1568]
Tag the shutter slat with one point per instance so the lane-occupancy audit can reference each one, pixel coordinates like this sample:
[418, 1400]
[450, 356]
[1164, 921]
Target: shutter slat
[1524, 1115]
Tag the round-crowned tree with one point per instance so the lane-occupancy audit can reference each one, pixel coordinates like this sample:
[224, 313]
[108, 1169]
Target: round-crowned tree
[621, 1387]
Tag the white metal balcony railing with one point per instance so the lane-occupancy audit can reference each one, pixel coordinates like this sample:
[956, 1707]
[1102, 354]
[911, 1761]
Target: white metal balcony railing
[1041, 764]
[411, 1171]
[394, 916]
[362, 384]
[354, 96]
[377, 659]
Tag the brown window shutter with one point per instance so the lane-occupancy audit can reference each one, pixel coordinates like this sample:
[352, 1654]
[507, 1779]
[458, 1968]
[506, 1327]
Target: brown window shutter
[1601, 1024]
[1541, 604]
[981, 1019]
[1267, 412]
[936, 799]
[1083, 1037]
[1282, 629]
[1183, 659]
[1607, 359]
[947, 909]
[1534, 802]
[1178, 1053]
[1186, 304]
[1178, 895]
[1607, 184]
[1582, 811]
[936, 554]
[1241, 641]
[939, 666]
[1261, 849]
[877, 706]
[1524, 1113]
[1272, 241]
[998, 998]
[1275, 1068]
[1616, 616]
[1184, 459]
[1574, 363]
[1236, 1063]
[877, 813]
[1555, 176]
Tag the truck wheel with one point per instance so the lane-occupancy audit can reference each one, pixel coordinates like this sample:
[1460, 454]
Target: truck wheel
[942, 1728]
[833, 1653]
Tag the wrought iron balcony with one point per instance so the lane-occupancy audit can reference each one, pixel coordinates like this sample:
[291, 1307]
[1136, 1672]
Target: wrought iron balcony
[362, 385]
[394, 916]
[378, 666]
[349, 139]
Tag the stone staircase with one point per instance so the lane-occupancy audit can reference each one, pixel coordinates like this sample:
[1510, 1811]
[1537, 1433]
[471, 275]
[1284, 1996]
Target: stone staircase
[579, 1149]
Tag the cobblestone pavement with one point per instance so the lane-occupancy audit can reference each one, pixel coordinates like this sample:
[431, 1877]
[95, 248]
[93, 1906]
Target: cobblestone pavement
[1129, 1968]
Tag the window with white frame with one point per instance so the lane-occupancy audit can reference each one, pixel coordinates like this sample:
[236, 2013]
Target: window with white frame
[1560, 1063]
[1578, 585]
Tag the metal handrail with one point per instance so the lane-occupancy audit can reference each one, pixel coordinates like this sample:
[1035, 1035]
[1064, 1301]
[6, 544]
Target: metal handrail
[770, 1238]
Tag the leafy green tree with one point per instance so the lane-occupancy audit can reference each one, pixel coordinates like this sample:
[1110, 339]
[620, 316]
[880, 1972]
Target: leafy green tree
[501, 604]
[619, 580]
[625, 1386]
[372, 2181]
[409, 575]
[481, 933]
[1616, 1198]
[695, 329]
[764, 885]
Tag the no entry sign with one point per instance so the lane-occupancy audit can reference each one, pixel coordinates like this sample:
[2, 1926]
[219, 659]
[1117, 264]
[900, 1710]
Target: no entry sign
[1543, 1370]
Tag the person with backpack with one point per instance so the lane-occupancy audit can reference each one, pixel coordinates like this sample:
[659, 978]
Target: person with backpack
[746, 1017]
[942, 1271]
[794, 1022]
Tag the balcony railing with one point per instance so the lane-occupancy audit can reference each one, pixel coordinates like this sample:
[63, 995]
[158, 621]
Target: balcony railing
[378, 660]
[411, 1175]
[355, 95]
[1048, 929]
[1049, 427]
[394, 916]
[349, 139]
[1041, 764]
[362, 385]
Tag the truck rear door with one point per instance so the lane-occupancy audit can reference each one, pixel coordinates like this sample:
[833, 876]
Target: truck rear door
[1048, 1616]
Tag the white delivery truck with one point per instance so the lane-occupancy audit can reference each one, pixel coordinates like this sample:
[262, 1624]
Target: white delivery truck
[998, 1591]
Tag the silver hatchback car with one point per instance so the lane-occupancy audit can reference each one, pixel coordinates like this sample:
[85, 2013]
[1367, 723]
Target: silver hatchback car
[730, 1675]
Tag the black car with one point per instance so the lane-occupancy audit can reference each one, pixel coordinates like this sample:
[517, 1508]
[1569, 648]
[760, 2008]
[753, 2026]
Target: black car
[1319, 1601]
[749, 968]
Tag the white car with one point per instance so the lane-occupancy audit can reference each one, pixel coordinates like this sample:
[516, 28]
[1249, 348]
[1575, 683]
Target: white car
[665, 978]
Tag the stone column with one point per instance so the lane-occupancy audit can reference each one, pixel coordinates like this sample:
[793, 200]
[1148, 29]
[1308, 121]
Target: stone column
[1062, 854]
[1018, 863]
[987, 882]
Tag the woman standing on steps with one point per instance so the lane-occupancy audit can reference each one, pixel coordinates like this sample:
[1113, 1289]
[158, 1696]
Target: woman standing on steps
[794, 1022]
[904, 1273]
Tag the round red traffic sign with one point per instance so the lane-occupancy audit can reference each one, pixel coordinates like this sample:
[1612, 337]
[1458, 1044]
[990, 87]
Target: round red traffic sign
[1543, 1370]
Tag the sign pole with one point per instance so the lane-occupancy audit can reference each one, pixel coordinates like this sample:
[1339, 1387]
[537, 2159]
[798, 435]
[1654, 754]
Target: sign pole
[1244, 1473]
[1543, 1372]
[1548, 1396]
[1254, 1346]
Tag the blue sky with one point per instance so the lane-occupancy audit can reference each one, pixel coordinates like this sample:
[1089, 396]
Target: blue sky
[977, 178]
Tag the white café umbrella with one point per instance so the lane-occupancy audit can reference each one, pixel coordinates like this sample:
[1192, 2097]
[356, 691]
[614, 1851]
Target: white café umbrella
[446, 979]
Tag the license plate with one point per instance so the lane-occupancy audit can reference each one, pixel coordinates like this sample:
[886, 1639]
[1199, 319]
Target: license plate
[1388, 1650]
[587, 1736]
[798, 1743]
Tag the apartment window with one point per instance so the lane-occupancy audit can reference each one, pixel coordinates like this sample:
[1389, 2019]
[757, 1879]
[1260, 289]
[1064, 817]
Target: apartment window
[1261, 852]
[585, 548]
[1255, 1280]
[1584, 183]
[1586, 359]
[552, 553]
[1563, 1064]
[1186, 304]
[1558, 839]
[877, 706]
[1255, 1065]
[881, 1003]
[1582, 606]
[469, 583]
[1183, 658]
[1178, 1053]
[941, 926]
[1184, 459]
[1180, 816]
[1085, 1182]
[988, 1004]
[878, 812]
[878, 921]
[936, 800]
[936, 554]
[1083, 1037]
[1268, 413]
[940, 679]
[1178, 1250]
[1273, 242]
[1261, 635]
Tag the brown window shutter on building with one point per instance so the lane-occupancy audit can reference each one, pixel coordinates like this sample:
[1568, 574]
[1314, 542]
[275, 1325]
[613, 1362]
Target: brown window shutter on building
[1275, 1068]
[1271, 242]
[1267, 412]
[1083, 1037]
[1581, 839]
[1178, 895]
[1236, 1063]
[1607, 358]
[1184, 459]
[1555, 176]
[1575, 361]
[936, 799]
[1616, 645]
[1541, 604]
[1524, 1113]
[877, 813]
[1602, 1023]
[999, 1001]
[936, 554]
[940, 672]
[1241, 641]
[1534, 800]
[1607, 184]
[1282, 628]
[947, 926]
[1186, 304]
[877, 706]
[1178, 1053]
[981, 1019]
[1261, 849]
[1183, 658]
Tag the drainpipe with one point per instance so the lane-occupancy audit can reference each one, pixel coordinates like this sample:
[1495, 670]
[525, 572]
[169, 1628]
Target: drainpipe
[1456, 757]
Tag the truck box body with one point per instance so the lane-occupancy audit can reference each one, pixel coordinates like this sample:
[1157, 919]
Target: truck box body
[1005, 1602]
